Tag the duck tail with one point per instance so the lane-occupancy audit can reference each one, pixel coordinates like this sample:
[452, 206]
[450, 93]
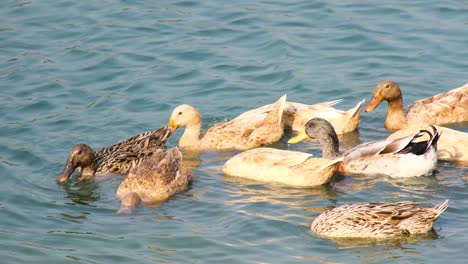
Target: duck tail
[332, 162]
[279, 107]
[421, 147]
[440, 208]
[352, 117]
[435, 137]
[355, 112]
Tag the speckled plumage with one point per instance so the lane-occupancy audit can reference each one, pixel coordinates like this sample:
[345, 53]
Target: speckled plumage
[376, 220]
[156, 178]
[116, 159]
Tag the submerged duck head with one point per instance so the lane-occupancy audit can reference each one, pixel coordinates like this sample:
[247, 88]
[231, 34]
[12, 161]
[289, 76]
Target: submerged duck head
[385, 90]
[184, 115]
[80, 155]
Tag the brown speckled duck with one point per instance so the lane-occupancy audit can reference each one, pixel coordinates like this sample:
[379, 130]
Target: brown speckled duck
[116, 159]
[377, 220]
[155, 179]
[444, 108]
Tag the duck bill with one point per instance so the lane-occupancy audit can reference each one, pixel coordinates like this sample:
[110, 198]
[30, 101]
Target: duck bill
[172, 125]
[376, 100]
[302, 136]
[66, 173]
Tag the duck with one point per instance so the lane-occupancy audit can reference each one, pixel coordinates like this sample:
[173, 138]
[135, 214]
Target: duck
[377, 220]
[251, 129]
[296, 115]
[444, 108]
[287, 167]
[157, 178]
[405, 157]
[452, 146]
[115, 159]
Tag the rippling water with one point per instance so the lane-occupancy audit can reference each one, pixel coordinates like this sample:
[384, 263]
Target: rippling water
[98, 72]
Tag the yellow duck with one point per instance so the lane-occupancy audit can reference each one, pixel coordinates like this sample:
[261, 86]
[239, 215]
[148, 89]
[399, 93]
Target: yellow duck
[444, 108]
[155, 179]
[452, 145]
[377, 220]
[296, 116]
[404, 157]
[281, 166]
[254, 128]
[116, 159]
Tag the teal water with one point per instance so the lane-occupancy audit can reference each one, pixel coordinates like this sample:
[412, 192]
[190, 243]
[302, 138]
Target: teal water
[97, 72]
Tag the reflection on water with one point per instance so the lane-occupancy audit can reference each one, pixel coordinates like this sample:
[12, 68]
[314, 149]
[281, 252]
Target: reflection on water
[389, 250]
[297, 202]
[81, 192]
[393, 243]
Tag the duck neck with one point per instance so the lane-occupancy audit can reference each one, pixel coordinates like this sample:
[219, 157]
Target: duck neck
[330, 145]
[191, 136]
[86, 172]
[395, 119]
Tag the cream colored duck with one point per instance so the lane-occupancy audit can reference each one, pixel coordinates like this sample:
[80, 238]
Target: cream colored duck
[404, 157]
[254, 128]
[155, 179]
[296, 116]
[444, 108]
[281, 166]
[452, 145]
[377, 220]
[115, 159]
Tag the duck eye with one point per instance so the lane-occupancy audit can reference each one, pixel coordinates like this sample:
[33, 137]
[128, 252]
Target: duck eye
[180, 113]
[386, 86]
[79, 152]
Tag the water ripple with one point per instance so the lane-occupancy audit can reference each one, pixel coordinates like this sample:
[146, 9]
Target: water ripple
[99, 72]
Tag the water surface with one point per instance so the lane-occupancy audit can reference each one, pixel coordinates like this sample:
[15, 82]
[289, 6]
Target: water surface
[97, 72]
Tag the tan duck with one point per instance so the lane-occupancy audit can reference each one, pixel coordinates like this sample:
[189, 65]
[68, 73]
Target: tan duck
[281, 166]
[377, 220]
[444, 108]
[254, 128]
[115, 159]
[155, 179]
[452, 145]
[296, 116]
[404, 157]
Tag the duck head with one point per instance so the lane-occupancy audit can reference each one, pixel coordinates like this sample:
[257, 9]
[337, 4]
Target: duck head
[184, 115]
[385, 90]
[314, 128]
[324, 132]
[80, 155]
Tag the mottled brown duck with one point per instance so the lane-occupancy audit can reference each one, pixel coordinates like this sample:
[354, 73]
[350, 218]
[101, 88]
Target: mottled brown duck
[116, 159]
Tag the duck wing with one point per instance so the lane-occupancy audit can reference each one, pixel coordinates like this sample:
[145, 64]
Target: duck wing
[122, 156]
